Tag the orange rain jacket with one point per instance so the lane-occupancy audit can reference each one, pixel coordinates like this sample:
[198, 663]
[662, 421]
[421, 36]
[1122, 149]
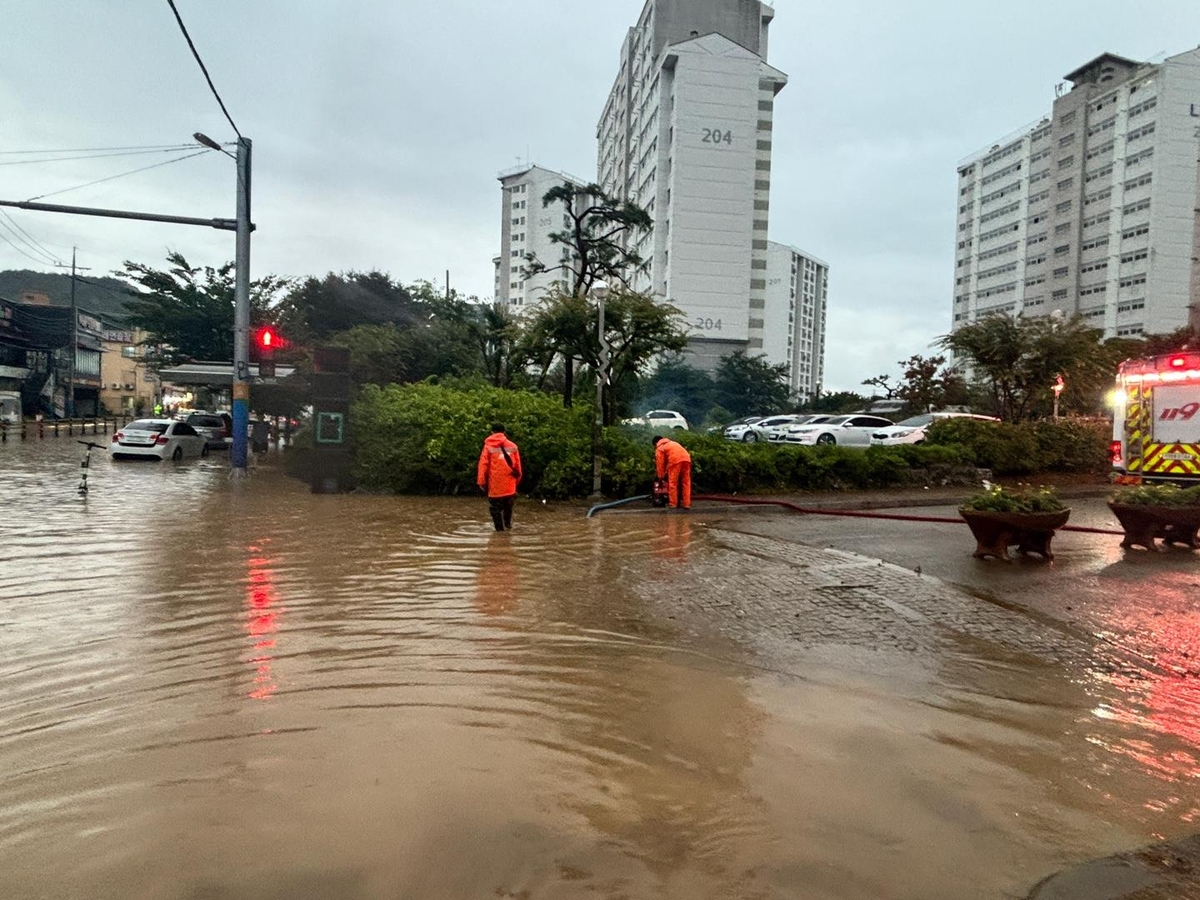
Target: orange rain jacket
[669, 453]
[495, 475]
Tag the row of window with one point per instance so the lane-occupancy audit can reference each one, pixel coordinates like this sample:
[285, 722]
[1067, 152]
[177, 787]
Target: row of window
[1099, 151]
[1140, 181]
[996, 176]
[1142, 107]
[1107, 125]
[1004, 152]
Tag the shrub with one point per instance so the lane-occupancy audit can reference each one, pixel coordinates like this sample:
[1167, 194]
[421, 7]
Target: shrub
[1068, 445]
[425, 438]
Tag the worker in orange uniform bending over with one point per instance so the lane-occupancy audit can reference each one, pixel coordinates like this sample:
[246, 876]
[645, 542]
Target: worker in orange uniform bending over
[498, 475]
[673, 462]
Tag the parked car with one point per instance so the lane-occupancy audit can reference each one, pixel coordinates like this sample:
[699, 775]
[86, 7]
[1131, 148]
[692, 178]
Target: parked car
[763, 428]
[737, 430]
[791, 433]
[849, 431]
[215, 428]
[778, 434]
[157, 439]
[912, 431]
[661, 418]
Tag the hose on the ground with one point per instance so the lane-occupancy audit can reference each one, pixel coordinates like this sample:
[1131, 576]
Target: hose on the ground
[601, 506]
[847, 513]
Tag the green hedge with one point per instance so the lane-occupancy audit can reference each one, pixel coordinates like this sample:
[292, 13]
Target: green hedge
[1068, 445]
[426, 438]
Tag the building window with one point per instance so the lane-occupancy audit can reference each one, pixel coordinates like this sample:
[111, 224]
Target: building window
[129, 352]
[1066, 162]
[1063, 207]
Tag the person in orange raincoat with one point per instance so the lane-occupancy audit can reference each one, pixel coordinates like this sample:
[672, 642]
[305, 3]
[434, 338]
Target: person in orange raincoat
[673, 462]
[498, 475]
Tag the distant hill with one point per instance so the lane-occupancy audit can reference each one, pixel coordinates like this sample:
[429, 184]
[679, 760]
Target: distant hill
[104, 297]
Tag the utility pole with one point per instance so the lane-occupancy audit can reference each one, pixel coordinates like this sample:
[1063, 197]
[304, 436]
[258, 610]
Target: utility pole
[241, 316]
[74, 348]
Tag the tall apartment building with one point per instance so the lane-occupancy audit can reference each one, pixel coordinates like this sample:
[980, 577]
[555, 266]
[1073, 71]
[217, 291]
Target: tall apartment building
[525, 229]
[1093, 209]
[794, 320]
[686, 134]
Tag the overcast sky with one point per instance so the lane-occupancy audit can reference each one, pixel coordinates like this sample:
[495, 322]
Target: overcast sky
[379, 128]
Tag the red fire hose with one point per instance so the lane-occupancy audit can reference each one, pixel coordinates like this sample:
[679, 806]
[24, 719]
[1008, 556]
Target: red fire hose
[862, 514]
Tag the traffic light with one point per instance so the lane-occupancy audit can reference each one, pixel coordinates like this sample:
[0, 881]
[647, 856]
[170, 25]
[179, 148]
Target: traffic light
[267, 341]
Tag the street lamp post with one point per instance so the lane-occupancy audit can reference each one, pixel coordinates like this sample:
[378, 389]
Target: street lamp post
[238, 451]
[600, 292]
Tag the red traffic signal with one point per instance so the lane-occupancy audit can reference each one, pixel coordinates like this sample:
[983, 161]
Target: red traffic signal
[267, 338]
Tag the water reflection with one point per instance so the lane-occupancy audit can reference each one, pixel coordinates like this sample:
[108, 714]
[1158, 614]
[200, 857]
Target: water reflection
[498, 580]
[262, 620]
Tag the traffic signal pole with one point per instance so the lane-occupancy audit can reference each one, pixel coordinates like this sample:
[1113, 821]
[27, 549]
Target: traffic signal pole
[241, 319]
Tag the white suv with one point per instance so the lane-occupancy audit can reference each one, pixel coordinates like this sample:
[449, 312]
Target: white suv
[661, 418]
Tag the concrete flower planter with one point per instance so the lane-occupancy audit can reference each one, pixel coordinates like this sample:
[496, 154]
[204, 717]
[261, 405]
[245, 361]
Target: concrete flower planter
[1144, 524]
[995, 532]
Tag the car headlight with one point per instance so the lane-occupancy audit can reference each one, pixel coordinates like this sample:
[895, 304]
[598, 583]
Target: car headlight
[904, 433]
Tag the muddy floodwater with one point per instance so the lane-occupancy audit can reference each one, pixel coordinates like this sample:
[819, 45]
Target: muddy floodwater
[216, 690]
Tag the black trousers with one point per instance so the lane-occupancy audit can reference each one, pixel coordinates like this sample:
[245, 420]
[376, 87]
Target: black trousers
[501, 509]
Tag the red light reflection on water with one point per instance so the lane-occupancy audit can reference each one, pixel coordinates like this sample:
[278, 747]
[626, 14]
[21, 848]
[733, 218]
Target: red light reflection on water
[262, 621]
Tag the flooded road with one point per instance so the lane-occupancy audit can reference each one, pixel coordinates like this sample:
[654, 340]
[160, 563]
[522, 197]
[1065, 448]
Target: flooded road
[220, 690]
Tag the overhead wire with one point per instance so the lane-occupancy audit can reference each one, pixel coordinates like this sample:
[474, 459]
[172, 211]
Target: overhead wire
[46, 256]
[120, 175]
[89, 149]
[33, 162]
[17, 247]
[29, 238]
[203, 68]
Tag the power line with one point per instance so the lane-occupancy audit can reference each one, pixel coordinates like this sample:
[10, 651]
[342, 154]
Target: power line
[40, 246]
[40, 262]
[203, 68]
[89, 149]
[121, 175]
[34, 162]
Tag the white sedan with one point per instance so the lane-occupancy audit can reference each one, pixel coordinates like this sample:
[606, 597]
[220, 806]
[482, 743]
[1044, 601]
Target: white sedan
[912, 431]
[661, 418]
[849, 431]
[738, 430]
[769, 428]
[157, 439]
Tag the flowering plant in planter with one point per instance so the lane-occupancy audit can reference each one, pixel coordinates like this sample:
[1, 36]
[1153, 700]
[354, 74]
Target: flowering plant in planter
[1158, 511]
[995, 498]
[1157, 495]
[1026, 518]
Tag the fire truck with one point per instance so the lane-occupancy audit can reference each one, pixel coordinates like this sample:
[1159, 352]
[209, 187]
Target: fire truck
[1156, 422]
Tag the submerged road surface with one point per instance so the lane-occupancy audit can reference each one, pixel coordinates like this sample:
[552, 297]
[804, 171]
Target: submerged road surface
[224, 690]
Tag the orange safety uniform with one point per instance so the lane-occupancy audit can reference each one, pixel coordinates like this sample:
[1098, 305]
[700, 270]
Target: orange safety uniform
[673, 462]
[495, 475]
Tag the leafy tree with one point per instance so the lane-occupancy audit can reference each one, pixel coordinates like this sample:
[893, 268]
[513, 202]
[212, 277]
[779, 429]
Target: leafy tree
[930, 384]
[1181, 338]
[749, 385]
[638, 329]
[883, 383]
[188, 311]
[601, 230]
[676, 385]
[317, 308]
[837, 402]
[1019, 359]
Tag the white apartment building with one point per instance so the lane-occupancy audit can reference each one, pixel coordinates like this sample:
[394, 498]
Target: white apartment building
[525, 229]
[686, 134]
[794, 318]
[1092, 210]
